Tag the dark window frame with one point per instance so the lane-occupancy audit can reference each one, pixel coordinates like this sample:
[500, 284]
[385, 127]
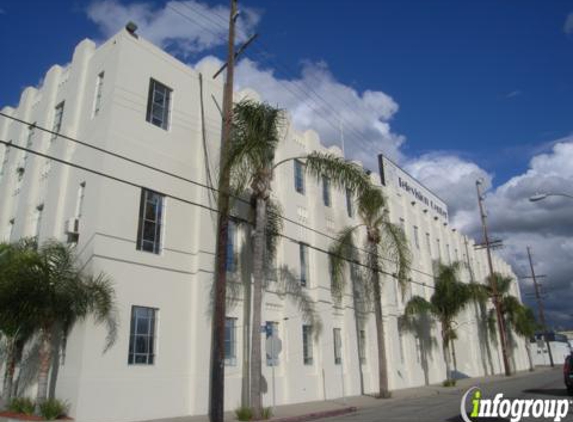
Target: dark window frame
[165, 105]
[146, 357]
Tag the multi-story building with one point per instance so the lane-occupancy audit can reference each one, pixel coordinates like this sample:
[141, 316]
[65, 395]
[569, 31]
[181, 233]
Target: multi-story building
[143, 216]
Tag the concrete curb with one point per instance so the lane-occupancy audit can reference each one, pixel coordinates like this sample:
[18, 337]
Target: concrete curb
[317, 415]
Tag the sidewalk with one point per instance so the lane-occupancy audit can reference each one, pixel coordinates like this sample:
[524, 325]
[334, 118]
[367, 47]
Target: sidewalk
[301, 412]
[308, 411]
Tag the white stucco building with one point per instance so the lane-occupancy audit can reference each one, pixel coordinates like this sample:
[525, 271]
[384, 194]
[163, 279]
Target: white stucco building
[157, 244]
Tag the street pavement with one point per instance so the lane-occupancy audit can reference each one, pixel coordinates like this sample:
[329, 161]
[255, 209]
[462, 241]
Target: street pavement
[445, 404]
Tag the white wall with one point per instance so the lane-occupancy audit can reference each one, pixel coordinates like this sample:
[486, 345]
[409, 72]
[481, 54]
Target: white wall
[103, 387]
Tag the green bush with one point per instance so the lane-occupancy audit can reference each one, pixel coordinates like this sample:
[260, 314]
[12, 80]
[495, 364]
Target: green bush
[267, 413]
[449, 383]
[21, 405]
[53, 409]
[244, 413]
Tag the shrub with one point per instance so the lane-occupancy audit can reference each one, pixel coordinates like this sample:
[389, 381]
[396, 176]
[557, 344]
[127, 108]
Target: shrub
[21, 405]
[449, 383]
[267, 412]
[244, 413]
[53, 409]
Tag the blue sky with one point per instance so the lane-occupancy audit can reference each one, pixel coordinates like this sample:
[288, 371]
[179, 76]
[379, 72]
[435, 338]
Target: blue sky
[454, 90]
[489, 80]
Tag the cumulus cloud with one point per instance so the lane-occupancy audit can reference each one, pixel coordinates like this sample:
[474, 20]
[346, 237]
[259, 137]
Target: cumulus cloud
[568, 28]
[546, 226]
[453, 179]
[183, 27]
[316, 100]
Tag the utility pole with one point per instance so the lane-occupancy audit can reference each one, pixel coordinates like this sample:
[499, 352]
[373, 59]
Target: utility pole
[493, 285]
[217, 386]
[540, 308]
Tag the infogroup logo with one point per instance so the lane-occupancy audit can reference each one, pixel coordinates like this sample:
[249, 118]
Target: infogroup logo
[515, 409]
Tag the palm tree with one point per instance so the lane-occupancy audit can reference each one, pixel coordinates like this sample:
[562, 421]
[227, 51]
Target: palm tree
[16, 325]
[256, 137]
[383, 240]
[450, 297]
[58, 295]
[525, 326]
[513, 313]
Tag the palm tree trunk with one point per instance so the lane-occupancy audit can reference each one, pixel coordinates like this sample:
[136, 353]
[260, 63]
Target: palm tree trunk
[258, 274]
[382, 361]
[246, 381]
[10, 368]
[45, 357]
[446, 349]
[357, 321]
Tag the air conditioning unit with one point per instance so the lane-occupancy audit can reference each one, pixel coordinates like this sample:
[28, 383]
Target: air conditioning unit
[73, 230]
[73, 226]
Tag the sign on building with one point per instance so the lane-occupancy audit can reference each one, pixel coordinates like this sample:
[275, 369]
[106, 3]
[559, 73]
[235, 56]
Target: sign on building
[395, 177]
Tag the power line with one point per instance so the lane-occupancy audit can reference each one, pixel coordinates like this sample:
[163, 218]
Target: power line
[194, 182]
[289, 73]
[193, 203]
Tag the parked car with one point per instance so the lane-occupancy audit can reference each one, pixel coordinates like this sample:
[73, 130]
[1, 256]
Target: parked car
[568, 373]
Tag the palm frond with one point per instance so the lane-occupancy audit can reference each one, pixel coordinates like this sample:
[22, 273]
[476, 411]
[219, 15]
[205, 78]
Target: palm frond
[478, 292]
[395, 246]
[525, 322]
[372, 206]
[342, 173]
[340, 252]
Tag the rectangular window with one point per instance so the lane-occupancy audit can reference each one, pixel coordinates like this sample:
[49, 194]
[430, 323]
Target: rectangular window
[98, 93]
[150, 221]
[429, 243]
[307, 344]
[337, 339]
[231, 249]
[158, 103]
[230, 341]
[326, 191]
[58, 117]
[303, 255]
[362, 346]
[416, 237]
[448, 254]
[439, 249]
[299, 185]
[272, 331]
[142, 335]
[80, 199]
[349, 204]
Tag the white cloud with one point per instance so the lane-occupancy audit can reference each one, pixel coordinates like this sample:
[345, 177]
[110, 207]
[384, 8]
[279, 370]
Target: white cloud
[568, 28]
[546, 226]
[513, 94]
[453, 179]
[316, 100]
[204, 28]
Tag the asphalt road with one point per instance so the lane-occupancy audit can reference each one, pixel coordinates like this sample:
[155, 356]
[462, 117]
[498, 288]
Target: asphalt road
[446, 406]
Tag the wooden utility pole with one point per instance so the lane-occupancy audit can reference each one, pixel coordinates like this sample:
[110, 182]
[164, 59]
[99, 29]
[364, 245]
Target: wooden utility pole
[540, 308]
[217, 385]
[493, 285]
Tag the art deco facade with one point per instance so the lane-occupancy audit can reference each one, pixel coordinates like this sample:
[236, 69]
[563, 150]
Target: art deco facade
[153, 233]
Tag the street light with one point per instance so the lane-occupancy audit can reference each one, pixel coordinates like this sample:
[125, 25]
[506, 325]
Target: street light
[542, 196]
